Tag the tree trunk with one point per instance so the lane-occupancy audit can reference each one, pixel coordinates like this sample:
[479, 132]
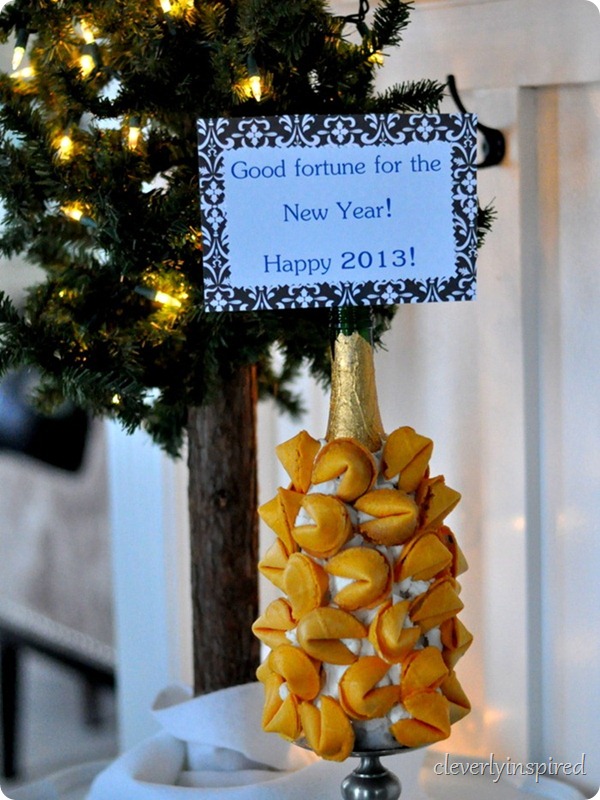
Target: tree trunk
[224, 534]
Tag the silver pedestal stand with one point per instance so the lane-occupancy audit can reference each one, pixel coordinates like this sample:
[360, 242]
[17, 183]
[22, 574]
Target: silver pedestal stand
[371, 780]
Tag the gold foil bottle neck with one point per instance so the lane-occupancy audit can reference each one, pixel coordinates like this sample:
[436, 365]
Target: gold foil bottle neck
[353, 406]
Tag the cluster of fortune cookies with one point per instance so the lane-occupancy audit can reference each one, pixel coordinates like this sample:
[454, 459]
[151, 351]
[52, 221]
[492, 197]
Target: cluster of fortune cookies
[364, 642]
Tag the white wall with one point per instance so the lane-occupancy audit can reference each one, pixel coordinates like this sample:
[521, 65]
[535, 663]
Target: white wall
[568, 415]
[151, 576]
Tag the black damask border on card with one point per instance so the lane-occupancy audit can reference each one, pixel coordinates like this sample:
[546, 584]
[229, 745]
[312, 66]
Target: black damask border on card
[215, 136]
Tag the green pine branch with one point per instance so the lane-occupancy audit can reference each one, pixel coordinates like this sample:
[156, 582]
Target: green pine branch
[422, 96]
[390, 19]
[94, 327]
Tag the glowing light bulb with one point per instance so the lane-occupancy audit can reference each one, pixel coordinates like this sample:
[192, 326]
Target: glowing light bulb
[18, 56]
[167, 300]
[158, 296]
[255, 87]
[72, 212]
[89, 37]
[87, 64]
[23, 74]
[195, 238]
[116, 400]
[166, 6]
[77, 214]
[64, 147]
[254, 83]
[133, 135]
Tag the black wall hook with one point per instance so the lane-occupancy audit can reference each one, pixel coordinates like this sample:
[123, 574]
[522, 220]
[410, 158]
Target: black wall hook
[494, 143]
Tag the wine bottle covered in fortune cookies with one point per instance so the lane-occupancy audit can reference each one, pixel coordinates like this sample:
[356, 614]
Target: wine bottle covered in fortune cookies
[353, 406]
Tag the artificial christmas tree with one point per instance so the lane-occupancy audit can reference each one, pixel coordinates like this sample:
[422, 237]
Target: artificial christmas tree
[99, 188]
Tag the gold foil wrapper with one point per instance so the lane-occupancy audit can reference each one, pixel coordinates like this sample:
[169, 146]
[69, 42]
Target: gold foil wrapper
[353, 408]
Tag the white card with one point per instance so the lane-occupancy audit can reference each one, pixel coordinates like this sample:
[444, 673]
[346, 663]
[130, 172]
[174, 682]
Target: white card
[305, 211]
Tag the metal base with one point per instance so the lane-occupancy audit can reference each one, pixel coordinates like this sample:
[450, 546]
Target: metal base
[370, 781]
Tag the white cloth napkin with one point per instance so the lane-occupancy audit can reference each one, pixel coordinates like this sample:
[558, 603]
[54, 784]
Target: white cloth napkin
[213, 748]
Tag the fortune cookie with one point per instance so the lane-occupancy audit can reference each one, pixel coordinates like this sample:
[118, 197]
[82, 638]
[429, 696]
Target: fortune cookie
[280, 716]
[423, 669]
[438, 502]
[422, 559]
[264, 671]
[362, 552]
[332, 526]
[369, 572]
[396, 516]
[280, 514]
[456, 640]
[458, 564]
[458, 700]
[305, 583]
[388, 632]
[298, 670]
[358, 696]
[407, 455]
[297, 456]
[272, 565]
[272, 625]
[350, 460]
[430, 719]
[327, 729]
[320, 631]
[439, 603]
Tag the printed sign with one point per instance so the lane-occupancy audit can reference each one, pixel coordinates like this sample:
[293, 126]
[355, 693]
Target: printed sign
[305, 211]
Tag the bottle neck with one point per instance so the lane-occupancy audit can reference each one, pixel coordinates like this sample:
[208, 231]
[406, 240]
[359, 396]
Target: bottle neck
[352, 319]
[353, 408]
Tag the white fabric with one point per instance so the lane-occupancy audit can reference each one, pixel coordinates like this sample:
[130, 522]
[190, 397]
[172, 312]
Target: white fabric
[213, 748]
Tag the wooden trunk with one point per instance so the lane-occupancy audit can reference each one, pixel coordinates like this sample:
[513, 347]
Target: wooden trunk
[224, 534]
